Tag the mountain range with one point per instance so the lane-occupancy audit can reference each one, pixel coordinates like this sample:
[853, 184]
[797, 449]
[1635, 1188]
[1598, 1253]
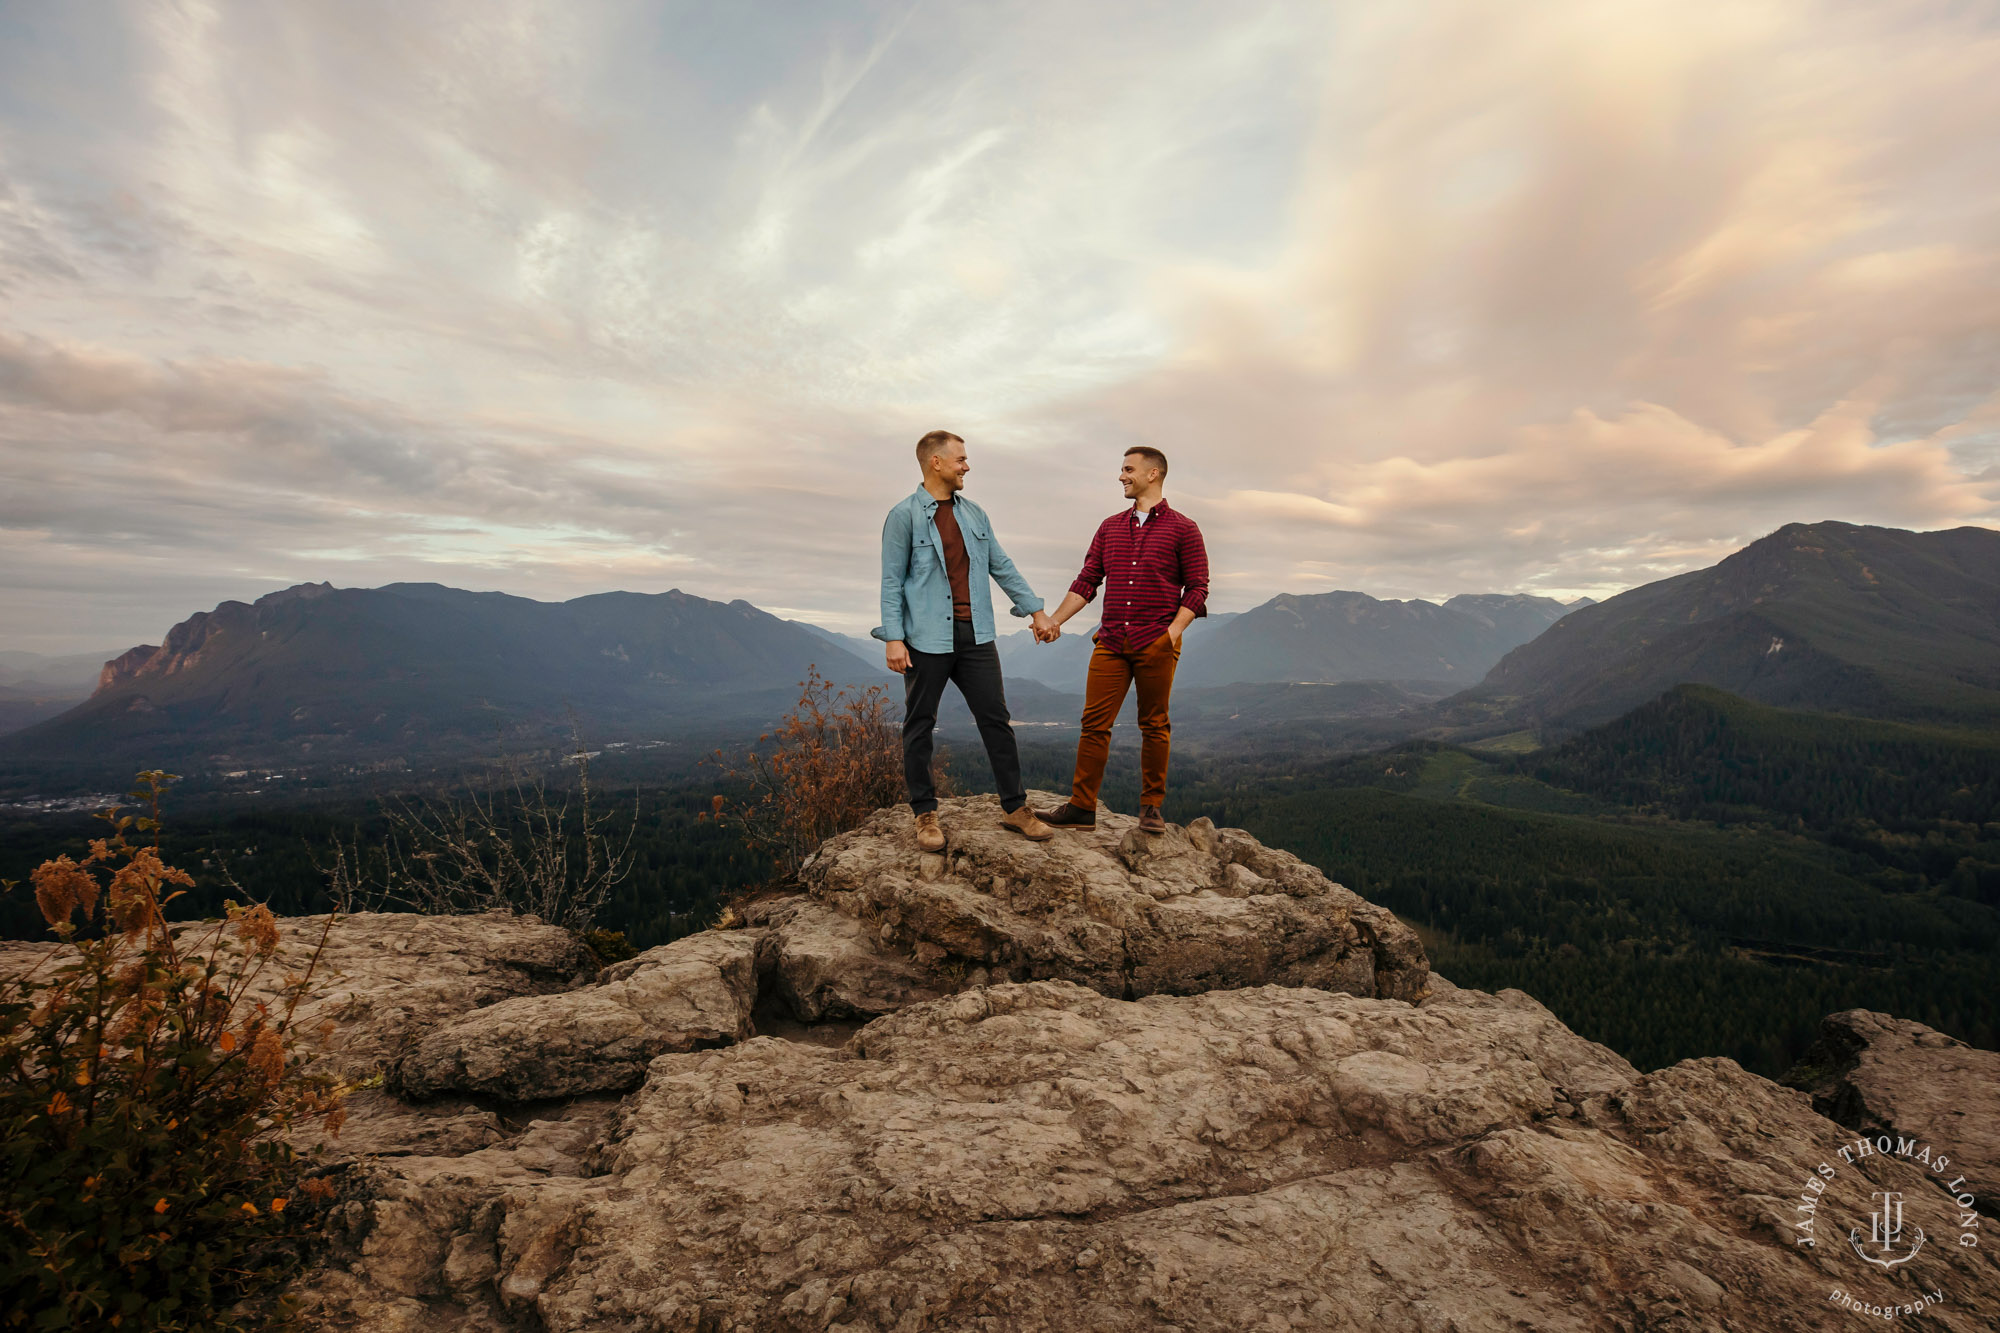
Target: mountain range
[1343, 636]
[1828, 616]
[318, 673]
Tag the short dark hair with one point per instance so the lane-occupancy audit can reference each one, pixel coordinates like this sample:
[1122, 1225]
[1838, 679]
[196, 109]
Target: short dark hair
[1152, 456]
[933, 442]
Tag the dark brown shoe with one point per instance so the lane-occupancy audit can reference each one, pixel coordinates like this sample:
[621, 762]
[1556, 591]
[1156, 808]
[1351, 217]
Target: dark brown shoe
[1068, 816]
[1150, 820]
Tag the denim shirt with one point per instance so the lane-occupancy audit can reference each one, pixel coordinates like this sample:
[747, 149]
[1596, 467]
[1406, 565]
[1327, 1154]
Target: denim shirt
[916, 591]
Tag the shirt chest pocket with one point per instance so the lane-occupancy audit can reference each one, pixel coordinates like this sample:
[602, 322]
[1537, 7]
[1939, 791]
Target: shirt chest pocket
[977, 548]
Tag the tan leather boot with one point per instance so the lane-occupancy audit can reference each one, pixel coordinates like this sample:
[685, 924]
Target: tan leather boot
[930, 837]
[1025, 822]
[1150, 819]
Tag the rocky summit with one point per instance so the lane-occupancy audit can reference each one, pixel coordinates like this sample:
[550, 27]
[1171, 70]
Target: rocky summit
[1104, 1083]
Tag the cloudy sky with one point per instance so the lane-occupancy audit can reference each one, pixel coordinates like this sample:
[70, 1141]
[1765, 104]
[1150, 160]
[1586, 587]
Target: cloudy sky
[1420, 298]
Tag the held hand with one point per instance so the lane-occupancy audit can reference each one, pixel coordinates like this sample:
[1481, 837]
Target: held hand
[1046, 629]
[899, 656]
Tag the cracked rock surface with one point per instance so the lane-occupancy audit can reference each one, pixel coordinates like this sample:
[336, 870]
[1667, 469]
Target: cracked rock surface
[1039, 1156]
[1107, 1083]
[883, 926]
[1126, 914]
[695, 992]
[1871, 1071]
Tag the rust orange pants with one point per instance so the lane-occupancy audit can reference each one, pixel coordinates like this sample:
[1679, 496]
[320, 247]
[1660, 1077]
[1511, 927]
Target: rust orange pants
[1152, 669]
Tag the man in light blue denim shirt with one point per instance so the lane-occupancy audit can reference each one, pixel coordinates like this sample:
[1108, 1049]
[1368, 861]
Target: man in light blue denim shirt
[938, 550]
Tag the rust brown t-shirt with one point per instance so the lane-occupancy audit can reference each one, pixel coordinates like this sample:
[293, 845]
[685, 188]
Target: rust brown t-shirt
[957, 566]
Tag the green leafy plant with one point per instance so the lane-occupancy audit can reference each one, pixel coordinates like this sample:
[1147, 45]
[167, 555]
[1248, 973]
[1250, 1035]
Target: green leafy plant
[609, 946]
[148, 1086]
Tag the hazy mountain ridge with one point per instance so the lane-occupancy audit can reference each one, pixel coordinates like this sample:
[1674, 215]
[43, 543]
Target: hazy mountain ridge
[1828, 616]
[50, 675]
[1345, 636]
[1294, 638]
[36, 686]
[324, 672]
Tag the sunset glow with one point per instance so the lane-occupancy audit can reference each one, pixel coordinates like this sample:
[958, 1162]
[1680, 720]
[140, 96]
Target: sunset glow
[1420, 300]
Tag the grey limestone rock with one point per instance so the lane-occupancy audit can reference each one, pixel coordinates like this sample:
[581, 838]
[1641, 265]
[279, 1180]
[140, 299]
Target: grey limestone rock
[827, 965]
[387, 976]
[1111, 908]
[695, 992]
[883, 926]
[1870, 1071]
[1040, 1156]
[1110, 1083]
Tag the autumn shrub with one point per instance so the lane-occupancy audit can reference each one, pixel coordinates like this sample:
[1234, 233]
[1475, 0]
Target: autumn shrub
[835, 759]
[147, 1086]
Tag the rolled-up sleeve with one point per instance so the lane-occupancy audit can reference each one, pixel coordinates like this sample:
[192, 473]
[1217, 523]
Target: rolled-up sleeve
[1194, 570]
[1092, 577]
[895, 569]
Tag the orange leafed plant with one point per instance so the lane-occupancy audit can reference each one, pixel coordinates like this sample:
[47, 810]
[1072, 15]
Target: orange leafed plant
[150, 1065]
[835, 759]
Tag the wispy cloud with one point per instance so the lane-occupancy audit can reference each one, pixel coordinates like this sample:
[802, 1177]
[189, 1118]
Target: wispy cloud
[1420, 299]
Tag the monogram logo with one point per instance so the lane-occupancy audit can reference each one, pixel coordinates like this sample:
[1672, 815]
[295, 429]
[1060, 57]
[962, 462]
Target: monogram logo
[1885, 1228]
[1888, 1241]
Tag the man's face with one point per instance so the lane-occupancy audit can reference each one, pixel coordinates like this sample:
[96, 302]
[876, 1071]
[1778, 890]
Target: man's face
[1135, 476]
[949, 463]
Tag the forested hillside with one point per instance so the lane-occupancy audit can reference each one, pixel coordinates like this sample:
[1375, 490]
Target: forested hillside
[1660, 940]
[1923, 805]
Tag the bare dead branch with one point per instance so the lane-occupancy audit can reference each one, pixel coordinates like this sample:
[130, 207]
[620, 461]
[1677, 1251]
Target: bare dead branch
[512, 844]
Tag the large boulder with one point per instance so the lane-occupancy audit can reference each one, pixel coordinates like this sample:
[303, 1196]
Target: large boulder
[698, 991]
[1870, 1071]
[384, 978]
[1124, 913]
[883, 925]
[1042, 1157]
[826, 965]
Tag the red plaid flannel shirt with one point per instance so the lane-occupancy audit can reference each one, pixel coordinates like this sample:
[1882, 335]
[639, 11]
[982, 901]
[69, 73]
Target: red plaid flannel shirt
[1149, 571]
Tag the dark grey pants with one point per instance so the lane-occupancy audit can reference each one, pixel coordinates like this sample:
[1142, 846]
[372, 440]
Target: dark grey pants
[975, 669]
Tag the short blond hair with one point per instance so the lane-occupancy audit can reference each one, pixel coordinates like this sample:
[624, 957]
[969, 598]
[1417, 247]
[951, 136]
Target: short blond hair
[933, 442]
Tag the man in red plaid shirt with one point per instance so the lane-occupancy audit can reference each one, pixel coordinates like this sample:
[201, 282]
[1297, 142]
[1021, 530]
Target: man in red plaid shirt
[1154, 571]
